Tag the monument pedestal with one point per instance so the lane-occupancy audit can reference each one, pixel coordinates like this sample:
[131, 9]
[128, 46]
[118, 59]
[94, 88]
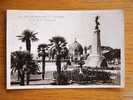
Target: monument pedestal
[94, 61]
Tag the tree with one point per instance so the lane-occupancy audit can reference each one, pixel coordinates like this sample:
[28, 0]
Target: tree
[28, 36]
[23, 63]
[42, 52]
[106, 49]
[113, 54]
[58, 43]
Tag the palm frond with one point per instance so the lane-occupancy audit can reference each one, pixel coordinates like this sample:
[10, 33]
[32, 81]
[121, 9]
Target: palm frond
[42, 47]
[34, 39]
[58, 39]
[19, 36]
[27, 34]
[35, 33]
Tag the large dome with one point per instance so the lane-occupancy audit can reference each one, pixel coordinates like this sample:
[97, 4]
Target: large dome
[75, 47]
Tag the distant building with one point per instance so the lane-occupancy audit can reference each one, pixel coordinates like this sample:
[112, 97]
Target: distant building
[75, 50]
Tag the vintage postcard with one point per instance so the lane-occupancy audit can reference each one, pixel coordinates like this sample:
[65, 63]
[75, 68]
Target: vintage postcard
[65, 49]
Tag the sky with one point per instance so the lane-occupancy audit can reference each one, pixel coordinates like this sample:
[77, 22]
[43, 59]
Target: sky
[79, 25]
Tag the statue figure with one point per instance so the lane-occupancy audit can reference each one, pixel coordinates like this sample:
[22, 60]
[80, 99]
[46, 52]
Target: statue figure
[97, 23]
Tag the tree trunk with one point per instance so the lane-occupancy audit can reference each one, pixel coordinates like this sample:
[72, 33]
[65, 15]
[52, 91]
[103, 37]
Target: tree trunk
[28, 45]
[58, 64]
[27, 78]
[18, 75]
[22, 77]
[43, 67]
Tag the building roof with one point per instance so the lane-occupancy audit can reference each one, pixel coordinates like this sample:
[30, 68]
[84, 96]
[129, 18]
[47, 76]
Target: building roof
[75, 46]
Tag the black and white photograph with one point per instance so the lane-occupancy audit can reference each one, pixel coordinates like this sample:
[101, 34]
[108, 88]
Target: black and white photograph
[65, 49]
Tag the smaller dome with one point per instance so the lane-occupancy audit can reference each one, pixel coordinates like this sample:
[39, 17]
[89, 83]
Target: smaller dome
[75, 47]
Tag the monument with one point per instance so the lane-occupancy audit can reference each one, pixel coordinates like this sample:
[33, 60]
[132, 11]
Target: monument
[95, 58]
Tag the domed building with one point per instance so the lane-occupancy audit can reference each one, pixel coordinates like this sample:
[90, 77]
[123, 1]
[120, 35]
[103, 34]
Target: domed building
[75, 50]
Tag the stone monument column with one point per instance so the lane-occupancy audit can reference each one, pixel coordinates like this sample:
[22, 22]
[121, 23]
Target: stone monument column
[96, 44]
[95, 59]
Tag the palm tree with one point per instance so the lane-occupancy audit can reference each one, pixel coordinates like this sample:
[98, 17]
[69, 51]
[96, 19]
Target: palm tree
[23, 63]
[28, 36]
[106, 49]
[42, 52]
[58, 43]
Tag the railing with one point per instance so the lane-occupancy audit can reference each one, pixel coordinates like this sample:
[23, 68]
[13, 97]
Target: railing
[63, 60]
